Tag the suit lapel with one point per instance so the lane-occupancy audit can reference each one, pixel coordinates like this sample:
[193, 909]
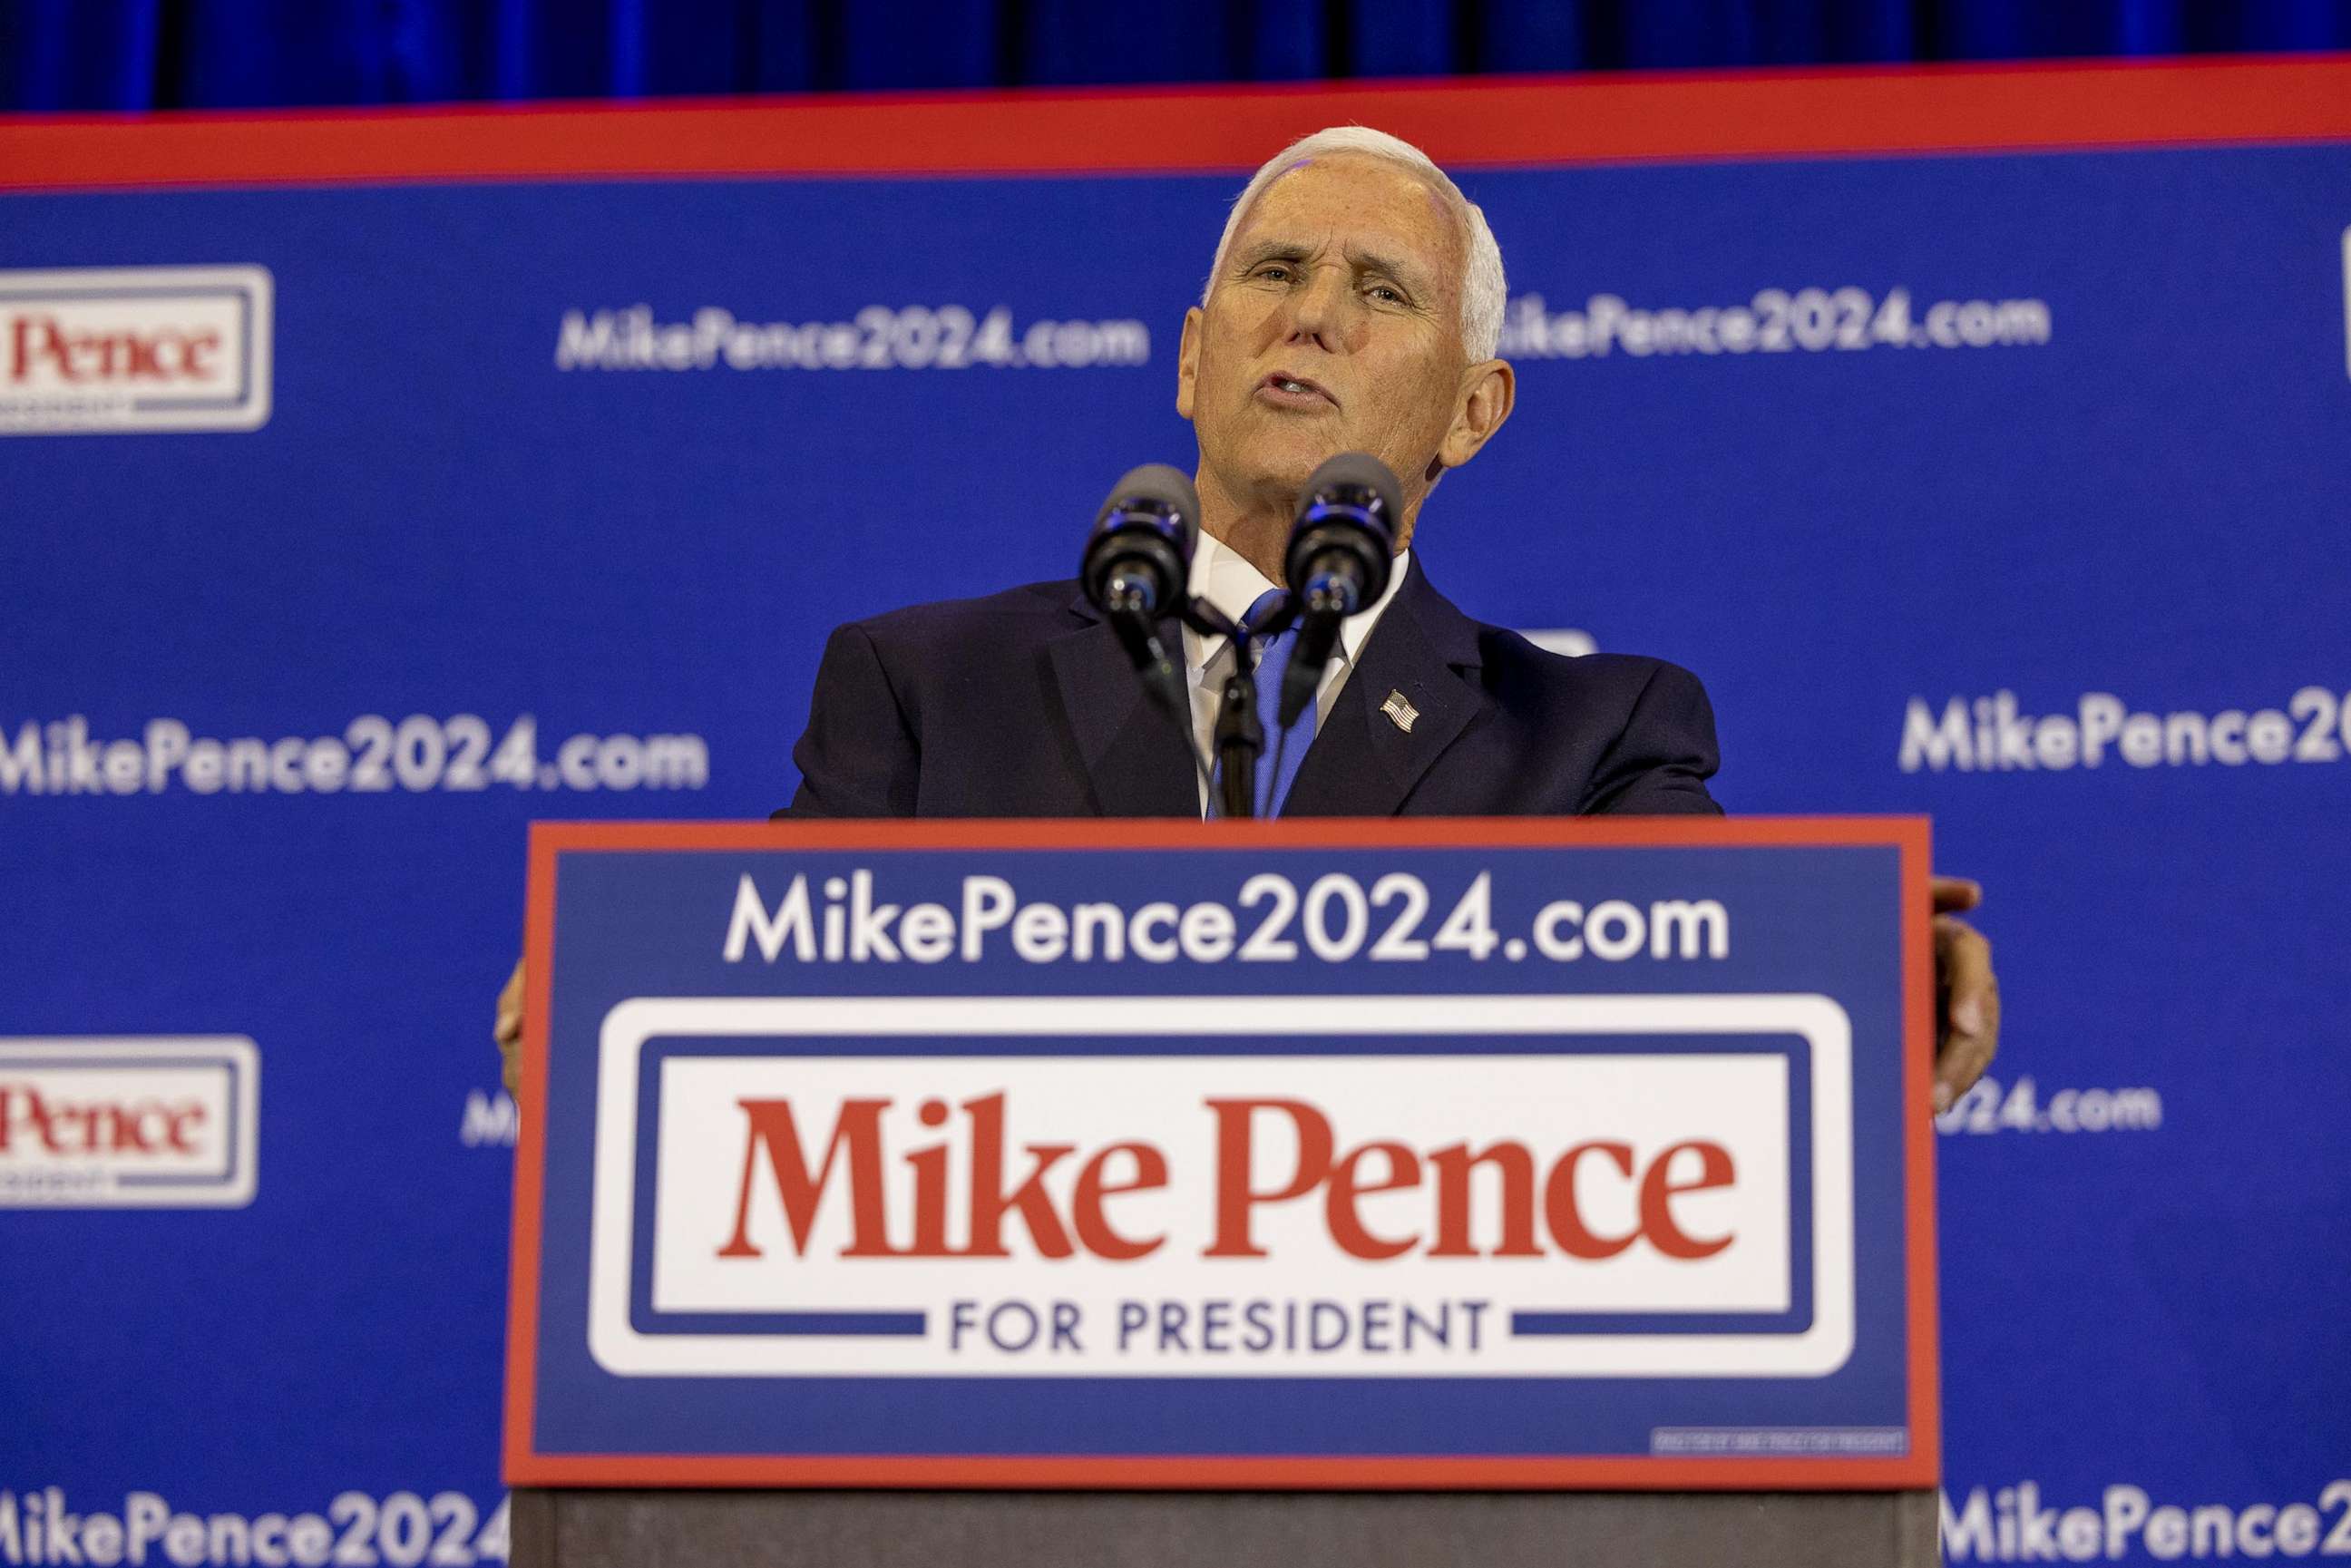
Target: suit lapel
[1136, 762]
[1362, 763]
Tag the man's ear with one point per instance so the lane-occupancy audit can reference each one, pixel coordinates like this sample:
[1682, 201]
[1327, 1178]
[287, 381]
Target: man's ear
[1188, 361]
[1489, 392]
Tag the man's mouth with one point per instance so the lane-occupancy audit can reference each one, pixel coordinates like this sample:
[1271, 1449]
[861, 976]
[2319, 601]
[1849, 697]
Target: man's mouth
[1295, 391]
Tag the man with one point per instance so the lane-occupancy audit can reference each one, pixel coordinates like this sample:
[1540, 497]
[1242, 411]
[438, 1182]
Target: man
[1354, 304]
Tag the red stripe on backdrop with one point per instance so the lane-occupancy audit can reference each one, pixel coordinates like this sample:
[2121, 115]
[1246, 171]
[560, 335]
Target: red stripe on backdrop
[1486, 122]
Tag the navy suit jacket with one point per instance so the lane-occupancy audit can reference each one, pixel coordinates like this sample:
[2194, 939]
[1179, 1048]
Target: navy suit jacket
[1023, 703]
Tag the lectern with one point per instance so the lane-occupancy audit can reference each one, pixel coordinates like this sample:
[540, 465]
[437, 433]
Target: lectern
[1345, 1192]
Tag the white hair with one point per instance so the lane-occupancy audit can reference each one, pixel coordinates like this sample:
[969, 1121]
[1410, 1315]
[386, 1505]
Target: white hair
[1483, 291]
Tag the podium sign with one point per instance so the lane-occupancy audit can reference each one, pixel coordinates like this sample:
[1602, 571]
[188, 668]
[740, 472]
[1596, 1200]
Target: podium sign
[1353, 1154]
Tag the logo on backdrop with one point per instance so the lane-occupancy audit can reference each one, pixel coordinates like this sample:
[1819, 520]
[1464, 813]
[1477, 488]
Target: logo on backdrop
[371, 755]
[878, 337]
[155, 1121]
[1995, 734]
[45, 1525]
[491, 1120]
[1771, 321]
[2013, 1524]
[2024, 1107]
[134, 349]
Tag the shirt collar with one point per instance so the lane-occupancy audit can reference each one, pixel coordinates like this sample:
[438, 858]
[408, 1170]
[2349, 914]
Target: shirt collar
[1224, 577]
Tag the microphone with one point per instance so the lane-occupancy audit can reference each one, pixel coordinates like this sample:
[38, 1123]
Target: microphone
[1341, 552]
[1137, 567]
[1138, 559]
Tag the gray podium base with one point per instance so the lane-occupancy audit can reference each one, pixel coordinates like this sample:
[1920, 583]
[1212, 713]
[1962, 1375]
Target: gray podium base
[585, 1528]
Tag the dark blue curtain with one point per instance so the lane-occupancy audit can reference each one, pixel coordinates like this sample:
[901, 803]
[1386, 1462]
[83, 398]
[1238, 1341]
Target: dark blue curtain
[217, 54]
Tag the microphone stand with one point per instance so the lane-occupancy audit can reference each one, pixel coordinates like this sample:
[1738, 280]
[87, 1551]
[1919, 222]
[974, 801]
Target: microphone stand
[1240, 734]
[1240, 738]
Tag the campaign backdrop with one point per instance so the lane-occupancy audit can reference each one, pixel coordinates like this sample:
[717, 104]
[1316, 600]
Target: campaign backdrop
[2015, 489]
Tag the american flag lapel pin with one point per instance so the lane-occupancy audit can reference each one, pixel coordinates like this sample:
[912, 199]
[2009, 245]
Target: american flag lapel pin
[1400, 711]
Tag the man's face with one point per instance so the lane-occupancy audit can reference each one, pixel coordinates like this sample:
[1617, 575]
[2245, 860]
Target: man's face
[1333, 325]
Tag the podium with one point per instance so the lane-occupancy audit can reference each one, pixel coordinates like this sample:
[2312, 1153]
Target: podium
[1349, 1192]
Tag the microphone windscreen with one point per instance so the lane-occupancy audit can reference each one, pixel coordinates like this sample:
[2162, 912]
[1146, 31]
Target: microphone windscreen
[1359, 471]
[1160, 485]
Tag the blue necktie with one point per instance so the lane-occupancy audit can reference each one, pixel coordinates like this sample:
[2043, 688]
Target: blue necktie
[1290, 746]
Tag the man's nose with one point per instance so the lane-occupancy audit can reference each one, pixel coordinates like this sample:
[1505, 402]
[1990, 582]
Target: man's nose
[1318, 309]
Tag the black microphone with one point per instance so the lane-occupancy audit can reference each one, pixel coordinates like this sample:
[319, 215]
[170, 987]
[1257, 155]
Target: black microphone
[1138, 559]
[1341, 552]
[1137, 567]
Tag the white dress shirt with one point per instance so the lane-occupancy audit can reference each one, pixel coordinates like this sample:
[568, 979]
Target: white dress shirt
[1223, 577]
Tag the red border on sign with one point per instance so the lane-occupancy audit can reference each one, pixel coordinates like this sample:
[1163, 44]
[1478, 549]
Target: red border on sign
[1489, 122]
[1922, 1467]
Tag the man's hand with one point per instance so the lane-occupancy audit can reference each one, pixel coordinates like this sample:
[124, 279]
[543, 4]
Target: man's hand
[507, 1030]
[1966, 1031]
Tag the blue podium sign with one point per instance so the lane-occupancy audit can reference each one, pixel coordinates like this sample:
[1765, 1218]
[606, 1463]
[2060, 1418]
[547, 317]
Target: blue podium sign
[1486, 1153]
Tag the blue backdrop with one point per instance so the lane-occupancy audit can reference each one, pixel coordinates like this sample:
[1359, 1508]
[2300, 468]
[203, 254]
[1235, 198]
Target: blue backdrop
[2068, 434]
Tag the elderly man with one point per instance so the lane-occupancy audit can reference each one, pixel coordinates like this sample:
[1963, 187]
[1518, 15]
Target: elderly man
[1354, 304]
